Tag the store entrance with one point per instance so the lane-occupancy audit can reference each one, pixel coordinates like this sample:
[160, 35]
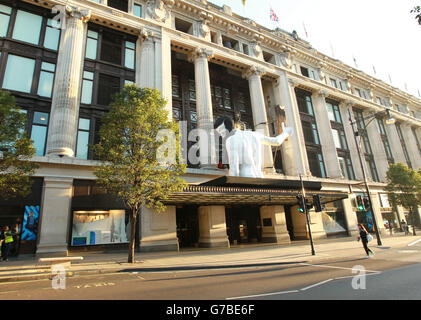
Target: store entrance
[243, 224]
[187, 226]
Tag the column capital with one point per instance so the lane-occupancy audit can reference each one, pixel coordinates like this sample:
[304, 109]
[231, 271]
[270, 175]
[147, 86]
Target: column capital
[322, 93]
[79, 13]
[292, 82]
[200, 53]
[253, 71]
[145, 34]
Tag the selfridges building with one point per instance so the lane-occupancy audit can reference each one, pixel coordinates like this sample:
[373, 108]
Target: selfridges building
[62, 60]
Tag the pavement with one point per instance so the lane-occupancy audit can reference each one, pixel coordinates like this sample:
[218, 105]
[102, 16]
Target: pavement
[28, 267]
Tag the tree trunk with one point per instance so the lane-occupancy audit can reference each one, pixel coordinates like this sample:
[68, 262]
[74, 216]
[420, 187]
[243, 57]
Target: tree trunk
[132, 235]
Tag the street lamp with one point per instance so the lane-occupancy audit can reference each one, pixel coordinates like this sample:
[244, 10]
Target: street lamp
[388, 121]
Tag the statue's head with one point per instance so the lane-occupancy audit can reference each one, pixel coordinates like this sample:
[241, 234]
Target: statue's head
[224, 125]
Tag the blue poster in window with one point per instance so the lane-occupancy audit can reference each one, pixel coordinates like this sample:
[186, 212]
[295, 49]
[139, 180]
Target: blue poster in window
[30, 223]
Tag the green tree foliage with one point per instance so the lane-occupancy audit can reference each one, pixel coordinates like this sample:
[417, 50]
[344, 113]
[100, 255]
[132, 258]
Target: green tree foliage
[417, 11]
[15, 150]
[131, 146]
[404, 188]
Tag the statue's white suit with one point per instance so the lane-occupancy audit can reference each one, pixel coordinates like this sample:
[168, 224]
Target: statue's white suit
[245, 150]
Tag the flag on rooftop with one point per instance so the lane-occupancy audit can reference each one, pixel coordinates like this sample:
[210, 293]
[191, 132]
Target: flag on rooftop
[355, 62]
[273, 15]
[305, 30]
[244, 2]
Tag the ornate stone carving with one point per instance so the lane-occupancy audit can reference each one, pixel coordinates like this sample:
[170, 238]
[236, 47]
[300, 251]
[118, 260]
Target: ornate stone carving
[78, 13]
[200, 53]
[204, 28]
[159, 9]
[253, 71]
[255, 48]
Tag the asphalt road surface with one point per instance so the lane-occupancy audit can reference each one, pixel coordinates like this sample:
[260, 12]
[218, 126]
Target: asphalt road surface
[390, 275]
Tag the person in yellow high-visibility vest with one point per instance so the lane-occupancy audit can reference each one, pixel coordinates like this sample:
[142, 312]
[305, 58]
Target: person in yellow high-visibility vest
[8, 242]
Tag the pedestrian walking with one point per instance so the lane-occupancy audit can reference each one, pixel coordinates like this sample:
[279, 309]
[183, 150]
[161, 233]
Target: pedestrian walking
[404, 227]
[364, 239]
[390, 227]
[8, 243]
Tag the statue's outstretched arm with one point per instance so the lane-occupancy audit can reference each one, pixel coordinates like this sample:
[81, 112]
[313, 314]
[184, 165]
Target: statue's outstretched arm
[278, 140]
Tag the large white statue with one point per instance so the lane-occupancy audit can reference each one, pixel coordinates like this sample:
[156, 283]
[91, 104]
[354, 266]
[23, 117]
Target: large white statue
[245, 148]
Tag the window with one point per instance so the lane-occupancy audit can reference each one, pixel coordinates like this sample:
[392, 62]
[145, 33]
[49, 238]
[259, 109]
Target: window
[414, 132]
[39, 132]
[403, 144]
[192, 90]
[333, 112]
[19, 74]
[304, 72]
[5, 13]
[358, 115]
[83, 138]
[304, 102]
[346, 168]
[27, 21]
[129, 54]
[137, 10]
[385, 140]
[175, 83]
[107, 87]
[91, 45]
[333, 83]
[111, 48]
[119, 4]
[52, 35]
[87, 87]
[46, 79]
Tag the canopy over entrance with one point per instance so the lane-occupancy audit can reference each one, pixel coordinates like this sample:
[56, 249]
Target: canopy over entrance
[253, 191]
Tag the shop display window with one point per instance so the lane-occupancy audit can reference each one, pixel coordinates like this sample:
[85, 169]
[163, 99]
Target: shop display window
[100, 227]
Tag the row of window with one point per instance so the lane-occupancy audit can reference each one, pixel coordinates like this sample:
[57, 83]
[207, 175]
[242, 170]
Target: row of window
[38, 131]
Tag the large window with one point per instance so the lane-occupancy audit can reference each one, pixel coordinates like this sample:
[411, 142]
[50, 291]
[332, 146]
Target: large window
[368, 154]
[19, 74]
[414, 132]
[340, 140]
[46, 79]
[109, 65]
[83, 138]
[311, 135]
[39, 132]
[403, 144]
[385, 140]
[5, 13]
[27, 21]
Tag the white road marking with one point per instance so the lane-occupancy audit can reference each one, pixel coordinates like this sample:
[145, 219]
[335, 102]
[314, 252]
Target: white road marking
[262, 295]
[414, 243]
[316, 284]
[309, 287]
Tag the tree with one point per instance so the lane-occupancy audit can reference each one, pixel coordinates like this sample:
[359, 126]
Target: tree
[15, 150]
[139, 150]
[404, 188]
[417, 11]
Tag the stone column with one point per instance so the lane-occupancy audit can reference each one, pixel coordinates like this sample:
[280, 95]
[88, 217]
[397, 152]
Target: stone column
[258, 107]
[380, 157]
[276, 231]
[55, 216]
[158, 230]
[395, 143]
[333, 170]
[350, 217]
[66, 93]
[411, 146]
[204, 110]
[344, 107]
[145, 64]
[212, 227]
[294, 157]
[377, 212]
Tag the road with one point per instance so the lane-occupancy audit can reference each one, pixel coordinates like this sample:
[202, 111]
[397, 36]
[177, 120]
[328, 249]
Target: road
[391, 274]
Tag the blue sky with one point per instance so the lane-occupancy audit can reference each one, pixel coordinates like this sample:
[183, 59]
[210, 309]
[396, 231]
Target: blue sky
[381, 35]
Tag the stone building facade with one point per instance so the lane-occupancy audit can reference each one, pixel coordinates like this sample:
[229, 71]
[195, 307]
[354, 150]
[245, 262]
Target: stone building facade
[207, 62]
